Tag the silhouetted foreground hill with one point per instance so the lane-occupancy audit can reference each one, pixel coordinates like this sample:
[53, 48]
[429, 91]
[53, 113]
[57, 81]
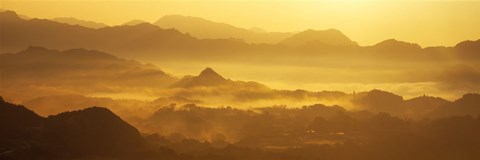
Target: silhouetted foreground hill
[90, 133]
[92, 130]
[17, 121]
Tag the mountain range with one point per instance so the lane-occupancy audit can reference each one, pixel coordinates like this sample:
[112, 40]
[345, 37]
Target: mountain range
[18, 33]
[147, 40]
[75, 71]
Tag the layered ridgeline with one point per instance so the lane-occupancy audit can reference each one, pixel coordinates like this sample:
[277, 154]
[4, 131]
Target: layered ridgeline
[315, 57]
[41, 71]
[33, 75]
[148, 40]
[17, 33]
[44, 78]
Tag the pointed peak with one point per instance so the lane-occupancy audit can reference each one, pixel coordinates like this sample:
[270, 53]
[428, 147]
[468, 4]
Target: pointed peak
[209, 72]
[208, 69]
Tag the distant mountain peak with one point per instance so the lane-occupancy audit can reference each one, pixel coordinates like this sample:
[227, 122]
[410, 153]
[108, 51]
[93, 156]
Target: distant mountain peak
[134, 22]
[396, 44]
[208, 77]
[326, 37]
[210, 73]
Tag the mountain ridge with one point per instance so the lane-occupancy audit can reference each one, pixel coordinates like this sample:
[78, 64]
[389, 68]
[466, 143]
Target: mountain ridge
[206, 29]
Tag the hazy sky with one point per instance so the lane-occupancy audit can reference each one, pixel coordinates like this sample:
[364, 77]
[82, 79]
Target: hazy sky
[428, 23]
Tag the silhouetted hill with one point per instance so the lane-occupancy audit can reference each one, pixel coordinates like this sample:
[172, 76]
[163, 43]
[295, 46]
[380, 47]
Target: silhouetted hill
[91, 132]
[379, 101]
[393, 45]
[84, 23]
[329, 37]
[208, 77]
[425, 102]
[469, 104]
[205, 29]
[16, 121]
[48, 63]
[420, 107]
[469, 49]
[9, 16]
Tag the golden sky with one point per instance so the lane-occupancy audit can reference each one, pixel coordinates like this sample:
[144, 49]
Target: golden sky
[429, 23]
